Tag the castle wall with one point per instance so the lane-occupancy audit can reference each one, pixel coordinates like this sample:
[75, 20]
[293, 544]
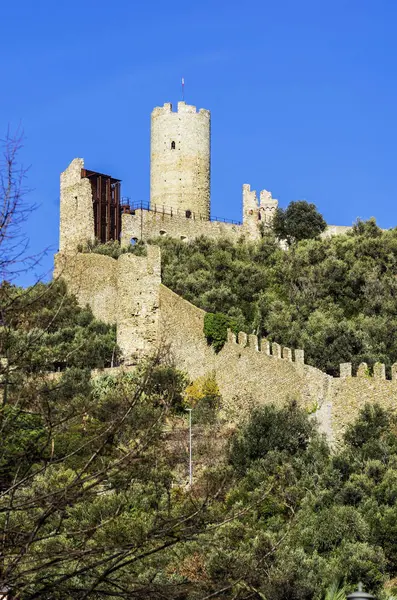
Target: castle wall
[245, 376]
[180, 159]
[248, 376]
[147, 225]
[138, 289]
[76, 210]
[332, 230]
[93, 280]
[124, 292]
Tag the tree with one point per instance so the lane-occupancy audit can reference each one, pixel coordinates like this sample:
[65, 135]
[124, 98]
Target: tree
[88, 505]
[299, 221]
[14, 210]
[271, 429]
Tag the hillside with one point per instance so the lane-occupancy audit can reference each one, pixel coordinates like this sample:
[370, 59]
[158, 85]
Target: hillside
[336, 298]
[95, 501]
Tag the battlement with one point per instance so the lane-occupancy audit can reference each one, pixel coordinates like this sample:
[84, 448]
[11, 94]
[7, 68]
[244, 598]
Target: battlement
[182, 108]
[255, 209]
[265, 347]
[378, 371]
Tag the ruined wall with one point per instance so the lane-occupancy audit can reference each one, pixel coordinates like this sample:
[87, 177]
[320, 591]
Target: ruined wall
[248, 375]
[335, 230]
[138, 288]
[257, 211]
[93, 280]
[180, 158]
[123, 291]
[76, 210]
[146, 225]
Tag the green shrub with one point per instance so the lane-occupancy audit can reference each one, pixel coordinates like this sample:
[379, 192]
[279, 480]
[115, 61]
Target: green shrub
[215, 329]
[286, 429]
[112, 248]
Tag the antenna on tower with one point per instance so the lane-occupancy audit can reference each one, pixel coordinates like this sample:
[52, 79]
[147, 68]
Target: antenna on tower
[183, 89]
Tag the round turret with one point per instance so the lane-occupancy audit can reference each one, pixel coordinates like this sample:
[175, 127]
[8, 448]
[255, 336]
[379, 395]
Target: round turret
[180, 160]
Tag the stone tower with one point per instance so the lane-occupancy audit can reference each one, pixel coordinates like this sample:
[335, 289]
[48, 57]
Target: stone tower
[180, 160]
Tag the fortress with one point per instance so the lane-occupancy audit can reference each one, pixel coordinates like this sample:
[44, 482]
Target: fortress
[128, 291]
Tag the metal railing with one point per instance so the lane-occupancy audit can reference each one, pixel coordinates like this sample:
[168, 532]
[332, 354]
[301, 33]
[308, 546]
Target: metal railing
[169, 210]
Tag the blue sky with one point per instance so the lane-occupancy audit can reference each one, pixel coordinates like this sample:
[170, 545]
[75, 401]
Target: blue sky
[303, 97]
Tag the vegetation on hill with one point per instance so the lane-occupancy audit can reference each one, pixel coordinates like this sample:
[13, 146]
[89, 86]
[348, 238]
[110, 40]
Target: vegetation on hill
[299, 221]
[44, 330]
[112, 248]
[94, 501]
[336, 298]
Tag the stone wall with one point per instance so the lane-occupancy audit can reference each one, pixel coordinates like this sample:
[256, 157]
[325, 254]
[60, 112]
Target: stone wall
[124, 292]
[146, 225]
[251, 371]
[138, 288]
[245, 374]
[93, 280]
[180, 158]
[161, 221]
[76, 210]
[256, 212]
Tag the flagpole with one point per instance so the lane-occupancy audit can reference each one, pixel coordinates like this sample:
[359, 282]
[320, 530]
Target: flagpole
[183, 89]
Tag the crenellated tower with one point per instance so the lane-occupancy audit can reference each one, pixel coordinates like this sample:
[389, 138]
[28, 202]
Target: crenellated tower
[180, 160]
[254, 212]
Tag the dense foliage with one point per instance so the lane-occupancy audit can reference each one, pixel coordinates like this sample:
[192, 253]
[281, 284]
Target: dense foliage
[336, 298]
[94, 502]
[44, 329]
[215, 329]
[113, 248]
[299, 221]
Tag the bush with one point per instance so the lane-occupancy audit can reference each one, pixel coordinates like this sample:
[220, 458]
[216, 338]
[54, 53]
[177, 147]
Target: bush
[166, 386]
[203, 395]
[215, 329]
[271, 429]
[112, 248]
[299, 221]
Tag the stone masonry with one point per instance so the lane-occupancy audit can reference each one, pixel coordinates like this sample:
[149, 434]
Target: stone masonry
[180, 159]
[250, 373]
[76, 212]
[124, 292]
[128, 292]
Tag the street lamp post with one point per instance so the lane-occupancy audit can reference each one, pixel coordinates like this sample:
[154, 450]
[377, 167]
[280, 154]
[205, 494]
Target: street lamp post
[189, 410]
[360, 595]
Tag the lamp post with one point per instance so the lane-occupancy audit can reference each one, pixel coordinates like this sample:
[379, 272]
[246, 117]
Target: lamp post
[360, 595]
[189, 410]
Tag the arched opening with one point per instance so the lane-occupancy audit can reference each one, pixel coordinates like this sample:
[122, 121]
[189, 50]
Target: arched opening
[163, 232]
[172, 145]
[133, 241]
[188, 214]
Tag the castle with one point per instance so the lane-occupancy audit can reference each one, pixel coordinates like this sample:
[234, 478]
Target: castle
[128, 291]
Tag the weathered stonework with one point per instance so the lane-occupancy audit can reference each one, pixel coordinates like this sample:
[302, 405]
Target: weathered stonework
[147, 225]
[128, 293]
[247, 376]
[124, 292]
[76, 211]
[180, 159]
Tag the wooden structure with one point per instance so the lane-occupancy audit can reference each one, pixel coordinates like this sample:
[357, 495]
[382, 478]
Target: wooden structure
[106, 204]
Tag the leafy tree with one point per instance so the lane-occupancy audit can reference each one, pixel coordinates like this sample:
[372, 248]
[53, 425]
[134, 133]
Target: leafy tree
[336, 297]
[270, 429]
[299, 221]
[215, 329]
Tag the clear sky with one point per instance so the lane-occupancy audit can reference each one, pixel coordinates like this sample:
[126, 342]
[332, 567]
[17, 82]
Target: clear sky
[303, 96]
